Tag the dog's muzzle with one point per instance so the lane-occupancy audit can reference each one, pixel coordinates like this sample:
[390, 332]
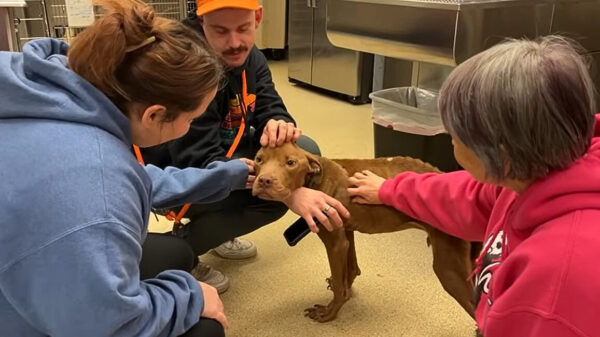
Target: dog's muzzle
[267, 187]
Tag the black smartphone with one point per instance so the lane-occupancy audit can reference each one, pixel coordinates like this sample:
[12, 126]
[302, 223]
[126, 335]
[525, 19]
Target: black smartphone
[298, 230]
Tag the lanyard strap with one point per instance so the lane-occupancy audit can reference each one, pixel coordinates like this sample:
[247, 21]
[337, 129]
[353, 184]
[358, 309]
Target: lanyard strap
[244, 99]
[243, 107]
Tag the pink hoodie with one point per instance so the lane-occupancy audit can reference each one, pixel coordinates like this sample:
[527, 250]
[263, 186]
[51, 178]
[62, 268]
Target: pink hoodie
[538, 273]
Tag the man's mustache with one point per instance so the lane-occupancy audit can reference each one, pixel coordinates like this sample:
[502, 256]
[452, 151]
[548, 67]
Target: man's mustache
[237, 50]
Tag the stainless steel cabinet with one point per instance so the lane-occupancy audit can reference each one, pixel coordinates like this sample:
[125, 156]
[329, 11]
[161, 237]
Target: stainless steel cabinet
[314, 60]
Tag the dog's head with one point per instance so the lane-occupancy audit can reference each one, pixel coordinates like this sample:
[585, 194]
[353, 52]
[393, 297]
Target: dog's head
[282, 169]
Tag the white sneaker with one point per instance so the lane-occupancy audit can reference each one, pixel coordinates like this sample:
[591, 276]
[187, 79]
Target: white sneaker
[236, 249]
[209, 275]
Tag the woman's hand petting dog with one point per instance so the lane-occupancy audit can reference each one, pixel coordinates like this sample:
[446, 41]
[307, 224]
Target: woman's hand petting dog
[312, 204]
[251, 172]
[366, 187]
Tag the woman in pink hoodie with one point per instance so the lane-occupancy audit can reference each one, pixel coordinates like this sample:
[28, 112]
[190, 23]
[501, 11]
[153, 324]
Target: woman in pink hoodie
[521, 117]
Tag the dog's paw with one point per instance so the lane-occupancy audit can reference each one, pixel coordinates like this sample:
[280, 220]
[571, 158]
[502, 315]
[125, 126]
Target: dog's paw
[320, 313]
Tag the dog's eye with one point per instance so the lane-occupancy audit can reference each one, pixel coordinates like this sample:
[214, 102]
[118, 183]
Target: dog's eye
[290, 162]
[257, 160]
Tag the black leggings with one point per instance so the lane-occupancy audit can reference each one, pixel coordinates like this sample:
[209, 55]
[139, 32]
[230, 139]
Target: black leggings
[163, 251]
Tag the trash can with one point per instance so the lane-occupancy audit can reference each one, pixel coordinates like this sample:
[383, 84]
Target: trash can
[407, 123]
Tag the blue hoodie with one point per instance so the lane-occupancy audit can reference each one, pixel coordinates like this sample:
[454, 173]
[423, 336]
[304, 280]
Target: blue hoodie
[74, 208]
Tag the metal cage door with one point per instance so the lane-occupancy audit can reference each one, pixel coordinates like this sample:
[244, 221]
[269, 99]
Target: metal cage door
[48, 18]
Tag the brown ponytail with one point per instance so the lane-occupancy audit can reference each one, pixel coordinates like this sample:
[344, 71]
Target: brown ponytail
[173, 66]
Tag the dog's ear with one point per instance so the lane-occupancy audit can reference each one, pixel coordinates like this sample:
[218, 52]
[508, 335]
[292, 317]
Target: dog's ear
[314, 174]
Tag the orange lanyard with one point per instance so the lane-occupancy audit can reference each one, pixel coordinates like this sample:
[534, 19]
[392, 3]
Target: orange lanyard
[243, 107]
[171, 215]
[138, 154]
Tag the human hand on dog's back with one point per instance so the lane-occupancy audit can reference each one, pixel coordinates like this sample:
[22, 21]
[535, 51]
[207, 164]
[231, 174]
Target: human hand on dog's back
[213, 306]
[364, 187]
[312, 204]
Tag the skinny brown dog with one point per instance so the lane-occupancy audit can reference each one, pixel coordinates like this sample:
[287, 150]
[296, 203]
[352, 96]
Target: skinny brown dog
[285, 168]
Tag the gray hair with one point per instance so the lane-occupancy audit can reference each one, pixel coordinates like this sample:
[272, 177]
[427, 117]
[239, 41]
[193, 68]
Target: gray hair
[524, 107]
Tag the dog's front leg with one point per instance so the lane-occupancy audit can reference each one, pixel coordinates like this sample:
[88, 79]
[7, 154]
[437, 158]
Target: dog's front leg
[337, 246]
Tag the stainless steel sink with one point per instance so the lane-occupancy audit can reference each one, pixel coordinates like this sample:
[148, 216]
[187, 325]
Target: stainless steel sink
[448, 32]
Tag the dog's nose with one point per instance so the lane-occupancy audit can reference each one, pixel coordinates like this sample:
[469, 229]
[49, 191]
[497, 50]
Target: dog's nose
[265, 181]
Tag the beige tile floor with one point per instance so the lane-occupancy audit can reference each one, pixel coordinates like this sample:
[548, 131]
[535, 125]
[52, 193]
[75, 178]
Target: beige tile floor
[397, 293]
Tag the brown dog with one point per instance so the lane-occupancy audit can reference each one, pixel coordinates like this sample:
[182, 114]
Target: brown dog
[283, 169]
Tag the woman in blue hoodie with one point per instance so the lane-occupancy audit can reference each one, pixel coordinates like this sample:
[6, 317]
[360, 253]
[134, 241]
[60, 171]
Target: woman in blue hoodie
[75, 202]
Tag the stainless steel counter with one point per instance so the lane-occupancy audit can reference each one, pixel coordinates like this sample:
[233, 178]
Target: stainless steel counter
[448, 32]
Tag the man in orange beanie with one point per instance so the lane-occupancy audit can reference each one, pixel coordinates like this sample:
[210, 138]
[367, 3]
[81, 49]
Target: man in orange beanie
[246, 114]
[229, 26]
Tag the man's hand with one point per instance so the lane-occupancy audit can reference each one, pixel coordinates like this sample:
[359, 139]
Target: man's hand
[310, 204]
[251, 172]
[367, 187]
[277, 132]
[213, 307]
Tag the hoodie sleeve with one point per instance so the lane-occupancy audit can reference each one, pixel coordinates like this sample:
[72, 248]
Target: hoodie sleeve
[174, 187]
[453, 202]
[87, 283]
[269, 104]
